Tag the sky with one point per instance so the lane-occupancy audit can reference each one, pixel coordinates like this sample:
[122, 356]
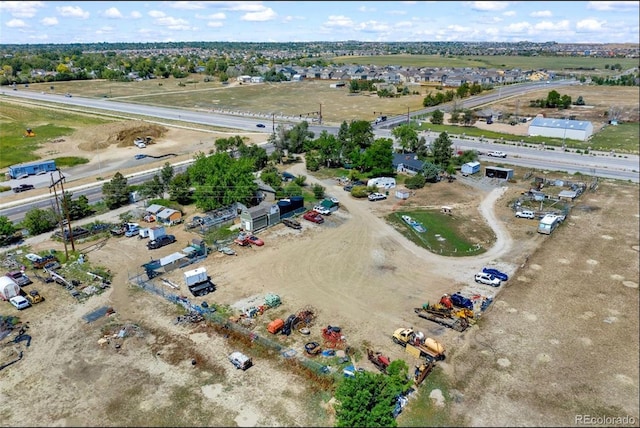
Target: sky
[33, 22]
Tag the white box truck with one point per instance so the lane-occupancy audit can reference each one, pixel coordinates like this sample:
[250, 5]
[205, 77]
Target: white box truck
[195, 276]
[156, 232]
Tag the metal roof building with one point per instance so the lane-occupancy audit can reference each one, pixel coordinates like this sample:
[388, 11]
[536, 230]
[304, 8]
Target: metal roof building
[561, 128]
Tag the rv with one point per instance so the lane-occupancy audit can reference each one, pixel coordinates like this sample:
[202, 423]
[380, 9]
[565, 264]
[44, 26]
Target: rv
[548, 224]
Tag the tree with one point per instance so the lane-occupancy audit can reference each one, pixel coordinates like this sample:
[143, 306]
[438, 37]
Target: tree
[38, 221]
[368, 399]
[468, 118]
[166, 175]
[116, 191]
[406, 135]
[415, 182]
[7, 228]
[180, 189]
[437, 117]
[442, 151]
[153, 188]
[378, 159]
[430, 171]
[318, 191]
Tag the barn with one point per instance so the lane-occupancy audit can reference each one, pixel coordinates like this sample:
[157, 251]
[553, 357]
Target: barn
[561, 128]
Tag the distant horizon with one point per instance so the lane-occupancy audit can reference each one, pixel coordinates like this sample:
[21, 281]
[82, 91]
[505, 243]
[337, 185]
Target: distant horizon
[84, 22]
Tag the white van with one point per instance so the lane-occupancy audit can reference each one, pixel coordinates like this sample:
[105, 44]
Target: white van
[240, 360]
[548, 224]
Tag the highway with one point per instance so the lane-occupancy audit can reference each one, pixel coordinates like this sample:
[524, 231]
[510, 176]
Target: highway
[595, 164]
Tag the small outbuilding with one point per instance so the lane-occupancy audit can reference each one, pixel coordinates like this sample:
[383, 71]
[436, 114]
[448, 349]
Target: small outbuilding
[254, 218]
[498, 172]
[169, 216]
[402, 193]
[470, 168]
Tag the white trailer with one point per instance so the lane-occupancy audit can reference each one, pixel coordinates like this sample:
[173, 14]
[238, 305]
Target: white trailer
[195, 276]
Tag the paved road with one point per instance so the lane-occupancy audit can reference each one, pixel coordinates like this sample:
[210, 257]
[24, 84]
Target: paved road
[595, 164]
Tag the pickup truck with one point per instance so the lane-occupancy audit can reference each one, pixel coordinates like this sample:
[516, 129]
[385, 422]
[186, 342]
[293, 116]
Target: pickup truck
[19, 278]
[496, 154]
[23, 188]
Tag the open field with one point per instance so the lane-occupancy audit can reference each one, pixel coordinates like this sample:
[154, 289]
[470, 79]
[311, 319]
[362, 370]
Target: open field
[553, 63]
[534, 359]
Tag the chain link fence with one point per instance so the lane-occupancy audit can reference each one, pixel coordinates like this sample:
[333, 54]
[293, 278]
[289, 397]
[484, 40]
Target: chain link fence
[211, 315]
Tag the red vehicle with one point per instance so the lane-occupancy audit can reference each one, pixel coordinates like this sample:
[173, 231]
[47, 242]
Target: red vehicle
[313, 217]
[255, 240]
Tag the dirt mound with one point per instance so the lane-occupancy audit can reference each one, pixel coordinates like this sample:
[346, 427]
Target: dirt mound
[120, 134]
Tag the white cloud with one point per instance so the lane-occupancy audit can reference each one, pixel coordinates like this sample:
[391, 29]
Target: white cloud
[339, 21]
[617, 6]
[246, 7]
[590, 25]
[541, 14]
[156, 14]
[552, 26]
[187, 5]
[266, 14]
[172, 23]
[49, 21]
[136, 15]
[214, 16]
[396, 12]
[366, 9]
[490, 6]
[73, 12]
[20, 9]
[215, 24]
[509, 13]
[403, 24]
[518, 27]
[16, 23]
[112, 13]
[372, 27]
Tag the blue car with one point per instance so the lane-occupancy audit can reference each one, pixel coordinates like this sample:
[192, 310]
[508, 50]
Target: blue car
[495, 272]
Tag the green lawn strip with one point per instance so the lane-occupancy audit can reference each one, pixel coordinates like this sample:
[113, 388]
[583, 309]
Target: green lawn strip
[441, 236]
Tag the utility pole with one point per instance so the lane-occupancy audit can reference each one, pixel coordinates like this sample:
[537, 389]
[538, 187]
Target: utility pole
[408, 118]
[273, 122]
[65, 210]
[320, 115]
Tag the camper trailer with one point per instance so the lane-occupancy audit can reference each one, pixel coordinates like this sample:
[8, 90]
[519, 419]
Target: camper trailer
[382, 182]
[548, 224]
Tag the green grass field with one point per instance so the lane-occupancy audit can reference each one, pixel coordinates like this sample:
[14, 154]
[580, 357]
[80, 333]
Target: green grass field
[441, 236]
[491, 61]
[47, 123]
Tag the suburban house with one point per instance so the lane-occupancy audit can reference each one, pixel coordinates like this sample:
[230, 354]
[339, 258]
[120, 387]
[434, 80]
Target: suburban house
[265, 192]
[152, 211]
[407, 163]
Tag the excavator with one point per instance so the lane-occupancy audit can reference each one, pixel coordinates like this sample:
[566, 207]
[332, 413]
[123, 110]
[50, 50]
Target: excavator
[29, 133]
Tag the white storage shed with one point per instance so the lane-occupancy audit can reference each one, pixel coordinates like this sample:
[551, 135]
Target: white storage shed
[470, 168]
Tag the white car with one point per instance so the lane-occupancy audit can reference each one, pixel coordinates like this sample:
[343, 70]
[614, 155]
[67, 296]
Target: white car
[526, 214]
[376, 196]
[485, 278]
[19, 302]
[322, 210]
[497, 154]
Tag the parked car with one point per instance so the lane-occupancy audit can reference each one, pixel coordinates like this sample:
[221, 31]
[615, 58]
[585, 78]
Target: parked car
[377, 197]
[496, 154]
[161, 241]
[526, 214]
[289, 222]
[496, 273]
[348, 187]
[19, 302]
[260, 125]
[313, 217]
[23, 188]
[255, 240]
[322, 210]
[132, 231]
[488, 279]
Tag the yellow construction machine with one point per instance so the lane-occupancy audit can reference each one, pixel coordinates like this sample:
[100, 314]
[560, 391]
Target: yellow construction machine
[29, 133]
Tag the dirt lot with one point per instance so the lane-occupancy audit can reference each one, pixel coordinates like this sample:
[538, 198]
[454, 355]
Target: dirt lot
[560, 340]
